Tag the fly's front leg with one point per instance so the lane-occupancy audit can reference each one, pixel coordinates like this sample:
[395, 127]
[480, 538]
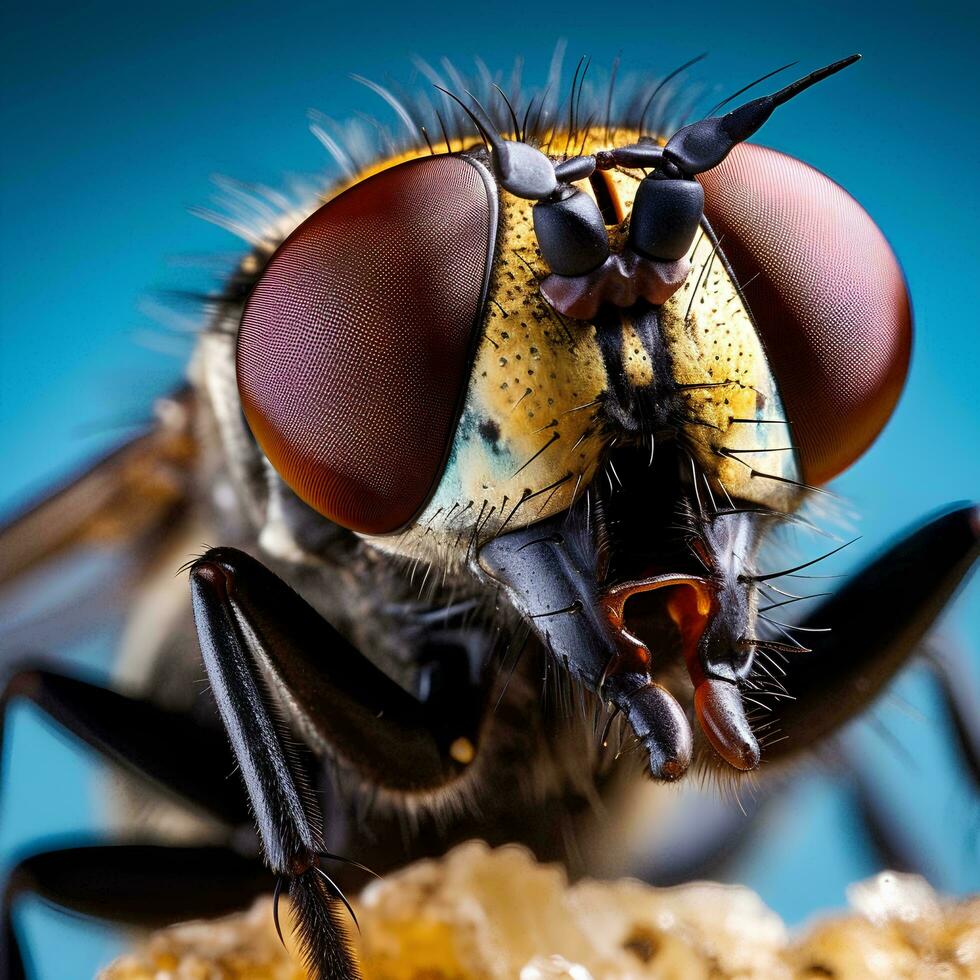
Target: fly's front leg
[876, 622]
[285, 809]
[266, 650]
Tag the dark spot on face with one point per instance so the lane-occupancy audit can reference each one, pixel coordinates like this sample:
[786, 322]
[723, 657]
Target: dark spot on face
[643, 942]
[490, 433]
[819, 970]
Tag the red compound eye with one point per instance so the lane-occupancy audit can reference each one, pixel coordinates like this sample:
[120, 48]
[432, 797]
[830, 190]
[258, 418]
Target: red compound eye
[827, 296]
[355, 345]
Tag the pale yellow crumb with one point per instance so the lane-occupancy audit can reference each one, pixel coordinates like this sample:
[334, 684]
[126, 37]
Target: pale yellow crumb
[482, 914]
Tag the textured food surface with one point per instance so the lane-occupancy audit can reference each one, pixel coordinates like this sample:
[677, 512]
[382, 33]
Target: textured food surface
[482, 914]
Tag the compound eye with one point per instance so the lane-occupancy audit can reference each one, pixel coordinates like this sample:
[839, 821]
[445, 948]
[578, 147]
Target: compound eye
[827, 295]
[355, 344]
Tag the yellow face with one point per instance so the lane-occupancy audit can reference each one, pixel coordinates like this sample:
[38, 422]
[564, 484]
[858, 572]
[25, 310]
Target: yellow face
[532, 434]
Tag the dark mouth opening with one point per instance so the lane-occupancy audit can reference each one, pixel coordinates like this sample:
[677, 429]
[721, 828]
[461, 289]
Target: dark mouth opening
[643, 526]
[660, 592]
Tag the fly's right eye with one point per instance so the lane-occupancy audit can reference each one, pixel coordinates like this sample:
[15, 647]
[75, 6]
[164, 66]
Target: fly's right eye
[826, 293]
[355, 344]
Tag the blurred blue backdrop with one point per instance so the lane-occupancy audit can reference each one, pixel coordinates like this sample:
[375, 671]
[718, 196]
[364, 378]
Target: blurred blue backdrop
[114, 115]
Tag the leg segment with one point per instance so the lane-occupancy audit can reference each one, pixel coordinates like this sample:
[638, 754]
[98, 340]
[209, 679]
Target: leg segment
[171, 750]
[286, 811]
[877, 620]
[895, 847]
[144, 885]
[962, 705]
[265, 650]
[134, 884]
[342, 703]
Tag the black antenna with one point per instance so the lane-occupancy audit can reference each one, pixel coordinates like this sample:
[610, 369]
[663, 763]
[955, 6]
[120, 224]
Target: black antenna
[704, 144]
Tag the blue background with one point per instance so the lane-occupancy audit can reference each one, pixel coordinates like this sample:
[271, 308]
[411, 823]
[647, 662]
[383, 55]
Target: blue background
[114, 115]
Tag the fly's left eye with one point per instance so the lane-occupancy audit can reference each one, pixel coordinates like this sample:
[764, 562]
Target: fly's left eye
[355, 344]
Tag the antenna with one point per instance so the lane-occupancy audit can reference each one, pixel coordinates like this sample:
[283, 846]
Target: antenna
[703, 145]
